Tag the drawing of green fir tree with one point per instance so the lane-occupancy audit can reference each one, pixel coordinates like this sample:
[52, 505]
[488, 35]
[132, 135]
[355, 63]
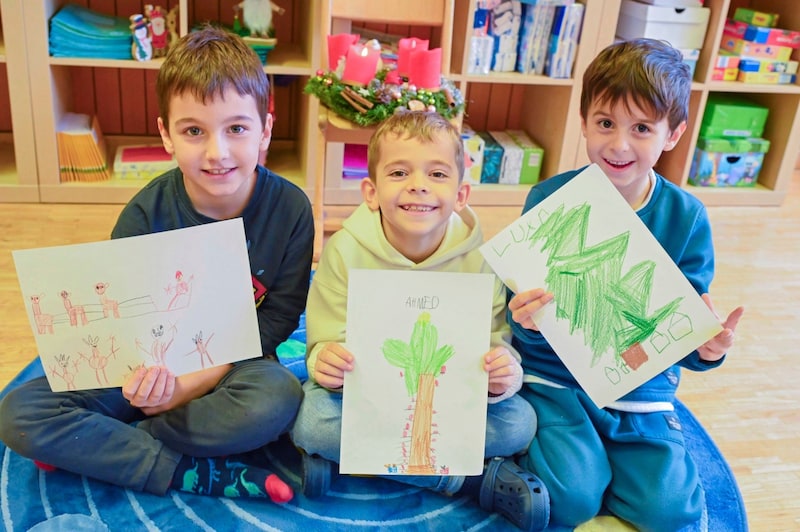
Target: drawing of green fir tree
[591, 291]
[421, 360]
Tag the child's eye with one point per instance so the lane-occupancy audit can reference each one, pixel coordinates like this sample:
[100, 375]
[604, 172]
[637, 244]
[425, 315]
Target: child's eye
[193, 131]
[438, 174]
[397, 173]
[605, 124]
[641, 128]
[238, 129]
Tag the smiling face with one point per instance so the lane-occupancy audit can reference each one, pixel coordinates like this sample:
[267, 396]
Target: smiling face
[217, 145]
[416, 187]
[626, 142]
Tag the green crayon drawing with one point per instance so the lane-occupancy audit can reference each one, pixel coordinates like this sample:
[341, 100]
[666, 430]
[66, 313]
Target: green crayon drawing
[421, 360]
[591, 290]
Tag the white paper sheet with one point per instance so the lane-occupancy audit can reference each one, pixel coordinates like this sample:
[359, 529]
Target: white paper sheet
[389, 411]
[615, 287]
[181, 299]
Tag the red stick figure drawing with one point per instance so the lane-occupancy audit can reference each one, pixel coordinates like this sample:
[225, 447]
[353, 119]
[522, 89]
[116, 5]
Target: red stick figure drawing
[109, 305]
[182, 288]
[67, 371]
[158, 348]
[202, 348]
[44, 322]
[73, 311]
[98, 361]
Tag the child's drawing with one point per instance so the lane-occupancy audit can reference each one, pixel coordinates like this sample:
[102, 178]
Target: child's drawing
[43, 322]
[75, 313]
[421, 359]
[108, 312]
[622, 311]
[404, 411]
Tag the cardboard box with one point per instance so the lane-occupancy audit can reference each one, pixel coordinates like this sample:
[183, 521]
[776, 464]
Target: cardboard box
[681, 27]
[755, 50]
[768, 78]
[724, 74]
[727, 60]
[532, 157]
[722, 162]
[757, 18]
[760, 35]
[731, 115]
[473, 155]
[492, 158]
[767, 65]
[511, 167]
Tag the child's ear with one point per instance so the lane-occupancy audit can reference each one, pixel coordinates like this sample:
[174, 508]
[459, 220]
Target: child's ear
[675, 136]
[266, 135]
[462, 195]
[165, 139]
[369, 192]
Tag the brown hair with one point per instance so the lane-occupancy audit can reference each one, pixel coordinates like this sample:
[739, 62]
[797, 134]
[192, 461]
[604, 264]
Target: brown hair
[647, 72]
[205, 63]
[424, 126]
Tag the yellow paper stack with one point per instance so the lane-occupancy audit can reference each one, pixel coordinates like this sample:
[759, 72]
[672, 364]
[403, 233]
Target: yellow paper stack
[81, 149]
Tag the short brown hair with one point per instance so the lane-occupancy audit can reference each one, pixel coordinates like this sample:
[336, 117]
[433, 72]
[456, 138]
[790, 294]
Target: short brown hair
[647, 72]
[421, 125]
[205, 63]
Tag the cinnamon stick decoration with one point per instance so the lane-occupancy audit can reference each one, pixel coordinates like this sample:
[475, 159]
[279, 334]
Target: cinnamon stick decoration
[449, 97]
[357, 97]
[349, 99]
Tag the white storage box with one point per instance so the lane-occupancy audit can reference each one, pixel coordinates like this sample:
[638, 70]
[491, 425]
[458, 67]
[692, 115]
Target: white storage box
[683, 27]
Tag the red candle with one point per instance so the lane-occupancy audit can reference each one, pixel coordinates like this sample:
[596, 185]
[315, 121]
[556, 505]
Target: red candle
[360, 65]
[338, 46]
[404, 49]
[426, 69]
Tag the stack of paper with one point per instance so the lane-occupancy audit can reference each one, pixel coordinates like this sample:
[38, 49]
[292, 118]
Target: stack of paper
[142, 161]
[76, 31]
[81, 149]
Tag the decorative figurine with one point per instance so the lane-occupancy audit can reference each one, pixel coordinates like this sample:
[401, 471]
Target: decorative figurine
[158, 29]
[172, 26]
[257, 16]
[141, 48]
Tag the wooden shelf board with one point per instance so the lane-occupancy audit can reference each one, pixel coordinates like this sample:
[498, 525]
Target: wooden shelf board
[757, 196]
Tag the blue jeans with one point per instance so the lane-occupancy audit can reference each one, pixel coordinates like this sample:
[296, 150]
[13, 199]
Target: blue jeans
[89, 432]
[634, 464]
[510, 427]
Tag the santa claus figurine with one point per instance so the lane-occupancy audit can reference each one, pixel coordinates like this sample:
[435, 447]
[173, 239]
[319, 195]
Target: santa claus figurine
[257, 16]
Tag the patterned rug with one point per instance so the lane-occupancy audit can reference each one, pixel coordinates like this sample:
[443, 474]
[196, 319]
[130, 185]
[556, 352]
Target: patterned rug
[31, 499]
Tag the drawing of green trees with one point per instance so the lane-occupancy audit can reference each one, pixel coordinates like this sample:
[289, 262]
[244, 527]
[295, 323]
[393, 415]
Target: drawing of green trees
[591, 291]
[421, 360]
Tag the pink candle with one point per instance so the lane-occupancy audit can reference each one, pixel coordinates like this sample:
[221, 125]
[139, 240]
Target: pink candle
[360, 65]
[404, 49]
[426, 68]
[338, 46]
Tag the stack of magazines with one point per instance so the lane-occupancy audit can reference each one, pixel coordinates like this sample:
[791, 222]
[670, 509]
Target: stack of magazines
[76, 31]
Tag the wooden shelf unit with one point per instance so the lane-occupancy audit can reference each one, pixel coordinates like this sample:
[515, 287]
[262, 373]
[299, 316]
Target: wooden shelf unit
[122, 94]
[304, 147]
[18, 173]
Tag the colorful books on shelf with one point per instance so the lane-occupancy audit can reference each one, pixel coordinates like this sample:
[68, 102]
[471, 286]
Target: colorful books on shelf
[76, 31]
[81, 149]
[144, 161]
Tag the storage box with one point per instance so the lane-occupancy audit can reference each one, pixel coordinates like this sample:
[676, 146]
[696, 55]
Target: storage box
[512, 158]
[727, 60]
[690, 57]
[727, 162]
[751, 49]
[473, 155]
[492, 158]
[767, 65]
[729, 115]
[724, 74]
[760, 35]
[532, 157]
[757, 18]
[768, 78]
[681, 27]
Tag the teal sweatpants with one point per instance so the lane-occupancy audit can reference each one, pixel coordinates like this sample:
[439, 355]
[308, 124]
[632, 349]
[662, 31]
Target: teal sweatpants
[635, 465]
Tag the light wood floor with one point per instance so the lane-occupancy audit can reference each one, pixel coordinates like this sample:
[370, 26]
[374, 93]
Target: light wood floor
[750, 406]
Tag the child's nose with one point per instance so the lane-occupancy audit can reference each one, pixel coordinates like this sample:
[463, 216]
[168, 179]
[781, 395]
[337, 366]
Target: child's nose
[418, 182]
[216, 147]
[620, 141]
